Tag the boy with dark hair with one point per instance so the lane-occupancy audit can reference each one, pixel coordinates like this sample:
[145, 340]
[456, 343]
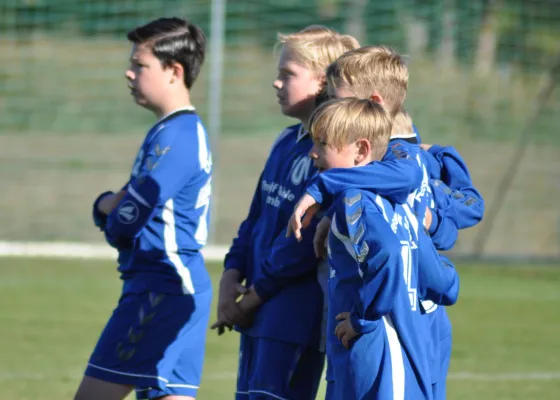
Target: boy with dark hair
[154, 341]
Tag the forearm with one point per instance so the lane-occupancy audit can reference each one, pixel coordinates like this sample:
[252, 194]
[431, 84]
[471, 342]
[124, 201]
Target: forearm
[109, 202]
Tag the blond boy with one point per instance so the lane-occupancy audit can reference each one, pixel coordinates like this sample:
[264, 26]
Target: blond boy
[280, 316]
[375, 333]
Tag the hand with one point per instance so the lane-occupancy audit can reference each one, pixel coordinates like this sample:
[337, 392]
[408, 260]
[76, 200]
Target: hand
[344, 330]
[249, 304]
[221, 327]
[321, 237]
[428, 218]
[250, 301]
[306, 205]
[425, 146]
[109, 202]
[229, 312]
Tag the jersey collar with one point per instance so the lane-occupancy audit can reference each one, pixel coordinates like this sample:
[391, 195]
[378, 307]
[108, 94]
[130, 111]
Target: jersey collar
[302, 133]
[188, 108]
[403, 136]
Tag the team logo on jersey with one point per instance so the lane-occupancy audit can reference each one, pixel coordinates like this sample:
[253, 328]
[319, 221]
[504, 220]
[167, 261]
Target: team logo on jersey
[128, 212]
[300, 170]
[153, 159]
[160, 152]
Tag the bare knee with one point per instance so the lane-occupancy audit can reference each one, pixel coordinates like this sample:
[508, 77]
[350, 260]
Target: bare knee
[94, 389]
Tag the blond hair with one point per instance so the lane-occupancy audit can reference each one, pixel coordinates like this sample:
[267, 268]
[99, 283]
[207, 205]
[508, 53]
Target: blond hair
[317, 46]
[372, 69]
[402, 123]
[343, 121]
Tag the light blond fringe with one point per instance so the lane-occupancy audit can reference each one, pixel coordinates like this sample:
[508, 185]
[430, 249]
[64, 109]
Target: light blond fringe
[372, 69]
[317, 46]
[340, 122]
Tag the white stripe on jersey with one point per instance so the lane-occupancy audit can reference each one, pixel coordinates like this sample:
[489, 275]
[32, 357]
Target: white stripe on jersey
[397, 364]
[171, 247]
[203, 201]
[379, 202]
[204, 156]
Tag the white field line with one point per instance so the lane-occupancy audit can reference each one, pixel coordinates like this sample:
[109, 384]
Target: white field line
[73, 250]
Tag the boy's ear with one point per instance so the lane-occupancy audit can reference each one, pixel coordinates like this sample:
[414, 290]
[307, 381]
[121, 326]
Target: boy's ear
[376, 97]
[178, 72]
[323, 82]
[363, 151]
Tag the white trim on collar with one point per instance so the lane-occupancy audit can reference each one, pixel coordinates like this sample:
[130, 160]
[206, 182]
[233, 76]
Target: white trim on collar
[301, 133]
[403, 136]
[188, 108]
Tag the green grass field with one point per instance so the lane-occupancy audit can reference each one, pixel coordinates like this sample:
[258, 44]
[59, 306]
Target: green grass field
[506, 331]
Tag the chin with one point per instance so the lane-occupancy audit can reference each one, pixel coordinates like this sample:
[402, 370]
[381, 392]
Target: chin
[286, 110]
[147, 106]
[141, 101]
[293, 111]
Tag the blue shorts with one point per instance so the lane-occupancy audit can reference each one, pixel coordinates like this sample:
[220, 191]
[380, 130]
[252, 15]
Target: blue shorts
[270, 369]
[154, 342]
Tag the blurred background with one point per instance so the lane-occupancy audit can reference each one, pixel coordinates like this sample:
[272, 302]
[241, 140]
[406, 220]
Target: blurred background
[482, 78]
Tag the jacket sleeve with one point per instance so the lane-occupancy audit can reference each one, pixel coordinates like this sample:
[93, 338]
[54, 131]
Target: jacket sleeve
[289, 260]
[438, 280]
[467, 201]
[395, 178]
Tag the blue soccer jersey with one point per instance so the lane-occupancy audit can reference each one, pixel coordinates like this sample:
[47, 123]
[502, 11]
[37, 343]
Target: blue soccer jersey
[283, 270]
[161, 224]
[374, 275]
